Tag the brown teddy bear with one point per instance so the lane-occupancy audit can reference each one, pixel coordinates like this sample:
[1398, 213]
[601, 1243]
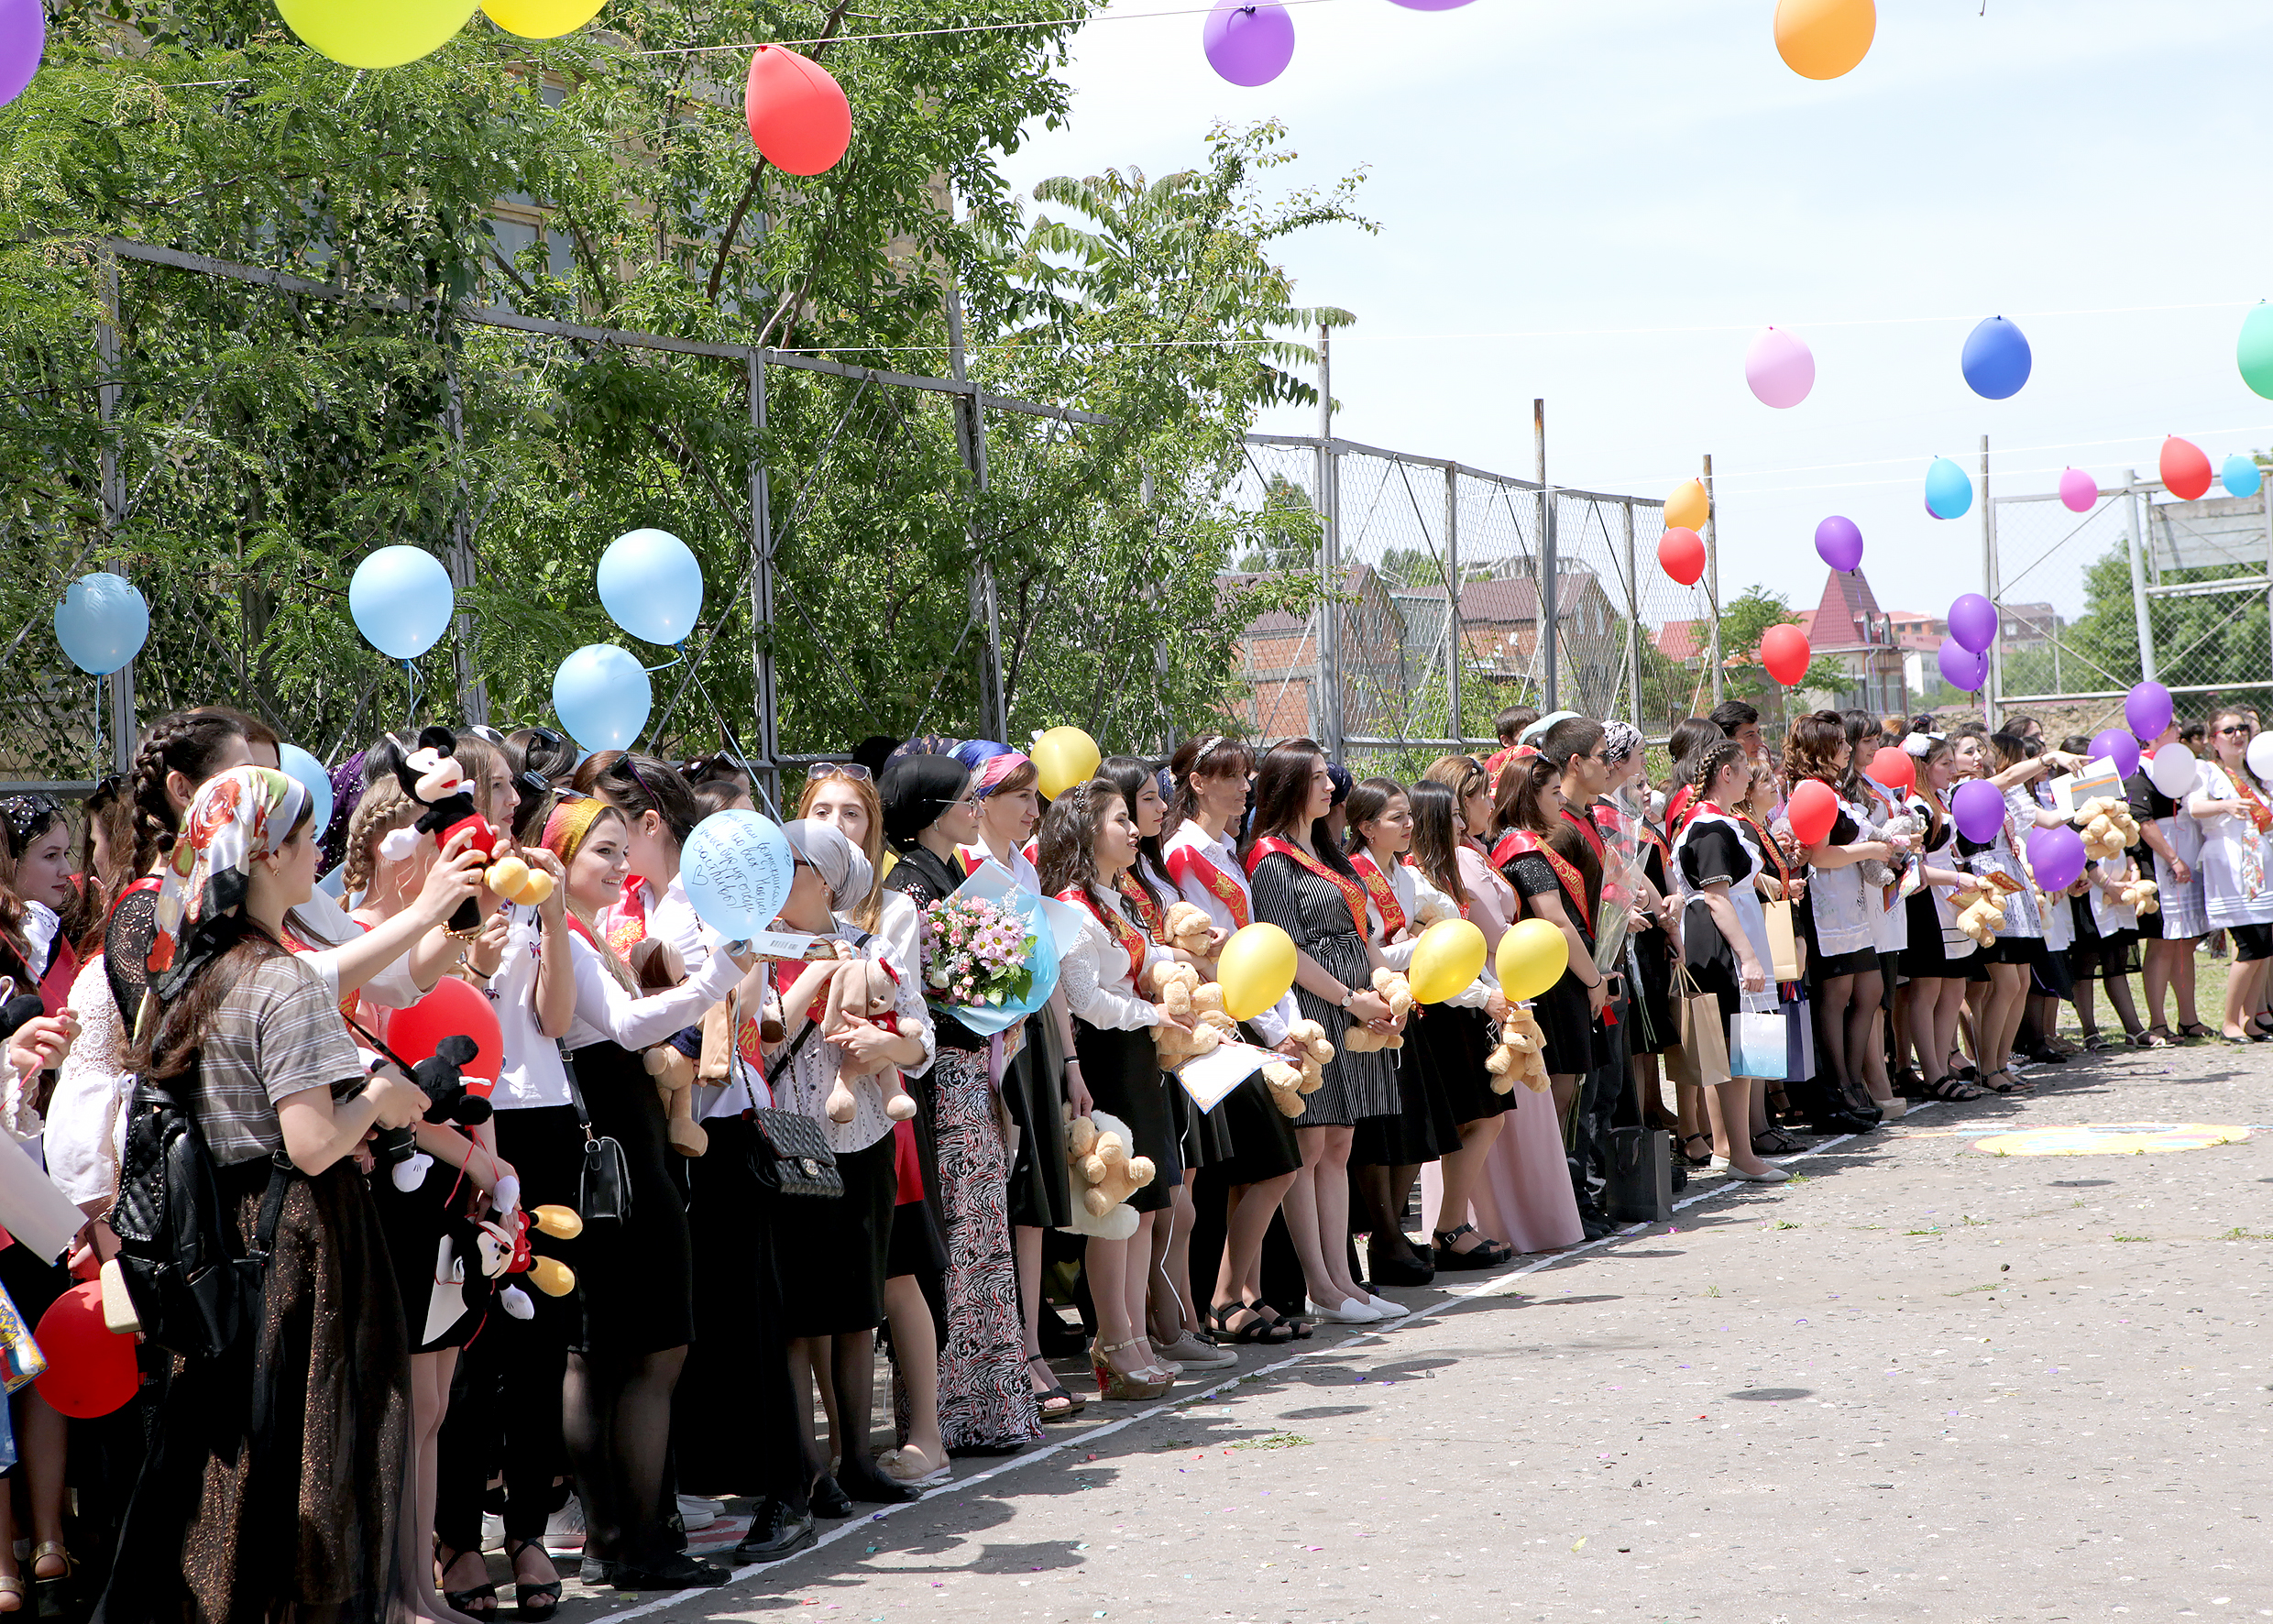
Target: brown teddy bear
[1289, 1080]
[864, 989]
[1981, 919]
[2108, 828]
[1177, 988]
[1106, 1173]
[1519, 1055]
[2142, 895]
[1187, 927]
[1397, 992]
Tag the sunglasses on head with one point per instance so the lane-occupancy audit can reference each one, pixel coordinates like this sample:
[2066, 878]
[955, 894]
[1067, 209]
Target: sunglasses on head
[854, 770]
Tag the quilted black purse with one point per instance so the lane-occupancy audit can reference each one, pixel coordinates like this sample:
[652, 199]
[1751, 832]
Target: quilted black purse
[789, 1155]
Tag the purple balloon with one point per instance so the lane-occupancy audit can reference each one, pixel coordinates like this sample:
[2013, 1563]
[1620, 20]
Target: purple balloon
[2118, 747]
[1249, 44]
[1973, 622]
[2057, 856]
[1979, 807]
[1839, 543]
[2147, 710]
[23, 39]
[1432, 4]
[1962, 668]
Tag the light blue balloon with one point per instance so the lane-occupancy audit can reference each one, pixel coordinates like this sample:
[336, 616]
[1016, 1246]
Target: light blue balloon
[1947, 491]
[1996, 359]
[602, 696]
[300, 764]
[737, 867]
[402, 600]
[101, 622]
[651, 585]
[2240, 475]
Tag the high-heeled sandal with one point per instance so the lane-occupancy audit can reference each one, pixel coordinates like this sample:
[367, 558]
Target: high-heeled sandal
[1485, 1254]
[1954, 1090]
[52, 1592]
[12, 1586]
[2197, 1031]
[1257, 1330]
[1068, 1403]
[1114, 1384]
[536, 1603]
[1697, 1161]
[481, 1600]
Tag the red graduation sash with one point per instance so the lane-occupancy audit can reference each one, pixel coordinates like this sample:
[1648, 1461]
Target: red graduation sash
[1584, 826]
[1131, 939]
[1149, 912]
[1184, 861]
[1352, 894]
[1384, 894]
[1519, 840]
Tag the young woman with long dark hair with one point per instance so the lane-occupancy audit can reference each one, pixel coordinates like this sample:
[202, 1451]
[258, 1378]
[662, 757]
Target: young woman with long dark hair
[1939, 959]
[2231, 806]
[2173, 841]
[1304, 883]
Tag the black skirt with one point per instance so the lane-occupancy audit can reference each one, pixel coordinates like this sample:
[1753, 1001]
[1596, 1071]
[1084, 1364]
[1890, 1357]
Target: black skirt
[1038, 1195]
[637, 1276]
[830, 1255]
[1652, 1025]
[544, 1145]
[414, 1221]
[1261, 1136]
[1453, 1044]
[1425, 1127]
[1122, 1072]
[1923, 959]
[1565, 1017]
[1821, 968]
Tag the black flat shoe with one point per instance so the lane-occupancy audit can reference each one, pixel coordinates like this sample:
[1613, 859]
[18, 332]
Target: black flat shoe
[828, 1500]
[1388, 1269]
[1840, 1122]
[674, 1571]
[775, 1531]
[874, 1488]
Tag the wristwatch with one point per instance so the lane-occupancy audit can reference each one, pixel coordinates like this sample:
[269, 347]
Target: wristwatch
[1346, 997]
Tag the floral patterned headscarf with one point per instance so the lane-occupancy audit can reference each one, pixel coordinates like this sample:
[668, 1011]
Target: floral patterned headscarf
[238, 815]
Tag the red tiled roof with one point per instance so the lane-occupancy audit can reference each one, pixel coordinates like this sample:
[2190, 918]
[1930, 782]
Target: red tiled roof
[1513, 600]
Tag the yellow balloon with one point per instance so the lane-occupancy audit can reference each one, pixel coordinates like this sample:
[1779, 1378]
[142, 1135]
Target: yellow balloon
[1533, 955]
[1449, 955]
[1255, 970]
[563, 1223]
[540, 19]
[1688, 508]
[1064, 757]
[552, 1276]
[1824, 38]
[367, 34]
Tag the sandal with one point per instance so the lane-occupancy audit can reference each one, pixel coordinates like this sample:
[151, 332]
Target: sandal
[2154, 1037]
[1056, 1402]
[1485, 1254]
[2195, 1031]
[536, 1602]
[11, 1586]
[1954, 1090]
[1779, 1103]
[2099, 1043]
[1697, 1161]
[1774, 1142]
[2011, 1085]
[1963, 1070]
[1256, 1328]
[52, 1592]
[479, 1602]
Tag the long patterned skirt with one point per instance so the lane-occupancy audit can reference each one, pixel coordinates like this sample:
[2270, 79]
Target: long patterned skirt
[985, 1400]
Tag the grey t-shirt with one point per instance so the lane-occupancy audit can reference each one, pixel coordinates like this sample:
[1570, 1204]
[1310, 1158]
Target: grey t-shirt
[277, 1033]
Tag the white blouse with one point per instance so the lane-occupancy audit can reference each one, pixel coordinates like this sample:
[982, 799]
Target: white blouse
[804, 1083]
[2235, 887]
[1020, 868]
[1224, 856]
[609, 1012]
[529, 1074]
[1414, 893]
[86, 1131]
[1096, 975]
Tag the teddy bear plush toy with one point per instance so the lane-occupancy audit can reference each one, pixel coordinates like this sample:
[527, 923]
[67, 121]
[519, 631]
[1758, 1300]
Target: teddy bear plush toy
[1289, 1080]
[862, 990]
[1361, 1040]
[1187, 927]
[1981, 919]
[2107, 826]
[2143, 896]
[1519, 1055]
[1177, 988]
[1106, 1175]
[430, 774]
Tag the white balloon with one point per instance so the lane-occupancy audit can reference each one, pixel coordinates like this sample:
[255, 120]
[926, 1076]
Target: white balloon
[2174, 770]
[2260, 757]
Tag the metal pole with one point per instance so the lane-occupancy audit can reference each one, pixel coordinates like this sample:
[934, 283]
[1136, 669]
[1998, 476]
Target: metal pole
[473, 694]
[762, 586]
[994, 718]
[2265, 497]
[2137, 500]
[106, 395]
[1456, 652]
[1549, 688]
[1991, 588]
[1329, 686]
[1712, 584]
[1633, 625]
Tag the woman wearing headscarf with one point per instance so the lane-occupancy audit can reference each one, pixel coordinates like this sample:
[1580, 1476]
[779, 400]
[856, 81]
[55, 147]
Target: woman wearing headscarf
[832, 1260]
[276, 1476]
[988, 1400]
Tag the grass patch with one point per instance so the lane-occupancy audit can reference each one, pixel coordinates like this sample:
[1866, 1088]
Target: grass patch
[1276, 1440]
[2128, 1237]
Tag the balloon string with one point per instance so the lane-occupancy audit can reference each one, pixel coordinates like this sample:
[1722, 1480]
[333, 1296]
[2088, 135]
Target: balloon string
[410, 679]
[677, 658]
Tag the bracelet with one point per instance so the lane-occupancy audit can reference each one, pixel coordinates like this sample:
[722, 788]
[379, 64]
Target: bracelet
[1072, 1063]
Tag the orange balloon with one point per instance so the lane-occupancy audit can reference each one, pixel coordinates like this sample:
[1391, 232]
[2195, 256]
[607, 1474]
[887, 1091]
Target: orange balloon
[1784, 651]
[1824, 38]
[1688, 506]
[1681, 554]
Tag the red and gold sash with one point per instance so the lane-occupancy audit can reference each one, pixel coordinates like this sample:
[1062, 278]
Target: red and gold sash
[1150, 913]
[1131, 939]
[1517, 842]
[630, 929]
[1352, 891]
[1185, 861]
[1770, 849]
[1584, 826]
[2259, 813]
[1384, 894]
[1679, 808]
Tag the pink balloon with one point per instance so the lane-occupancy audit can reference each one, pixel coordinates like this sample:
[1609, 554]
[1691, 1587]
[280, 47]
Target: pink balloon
[1780, 368]
[1432, 4]
[1249, 44]
[2077, 490]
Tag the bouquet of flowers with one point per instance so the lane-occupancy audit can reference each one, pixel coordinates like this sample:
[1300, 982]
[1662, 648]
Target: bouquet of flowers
[979, 957]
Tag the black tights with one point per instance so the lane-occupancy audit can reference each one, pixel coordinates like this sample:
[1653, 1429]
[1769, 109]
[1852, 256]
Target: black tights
[847, 1361]
[618, 1430]
[1385, 1191]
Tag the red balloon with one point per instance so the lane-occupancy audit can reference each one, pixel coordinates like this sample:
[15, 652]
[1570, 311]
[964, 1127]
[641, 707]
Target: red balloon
[797, 113]
[1784, 651]
[452, 1008]
[90, 1368]
[1893, 767]
[1813, 809]
[2185, 470]
[1681, 554]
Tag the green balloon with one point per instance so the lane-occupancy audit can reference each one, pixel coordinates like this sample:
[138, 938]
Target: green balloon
[2253, 353]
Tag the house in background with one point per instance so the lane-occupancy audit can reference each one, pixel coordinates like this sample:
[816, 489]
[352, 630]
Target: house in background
[1848, 627]
[1277, 662]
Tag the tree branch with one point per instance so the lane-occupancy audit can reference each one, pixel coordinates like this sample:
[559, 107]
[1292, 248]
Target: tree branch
[757, 169]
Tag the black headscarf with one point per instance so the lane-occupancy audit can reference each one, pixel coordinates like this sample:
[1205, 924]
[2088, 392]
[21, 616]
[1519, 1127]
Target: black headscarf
[915, 790]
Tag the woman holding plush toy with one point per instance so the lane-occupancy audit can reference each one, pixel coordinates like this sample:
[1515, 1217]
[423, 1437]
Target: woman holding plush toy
[1304, 883]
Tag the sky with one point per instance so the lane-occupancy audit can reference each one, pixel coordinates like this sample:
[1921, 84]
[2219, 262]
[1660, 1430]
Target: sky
[1602, 204]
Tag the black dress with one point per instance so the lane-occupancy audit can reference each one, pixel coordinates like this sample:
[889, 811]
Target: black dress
[636, 1277]
[1711, 852]
[1441, 1083]
[413, 1220]
[1564, 1012]
[1652, 1027]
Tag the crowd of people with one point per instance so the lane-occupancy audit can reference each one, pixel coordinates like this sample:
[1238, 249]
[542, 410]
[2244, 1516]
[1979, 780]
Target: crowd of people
[658, 1093]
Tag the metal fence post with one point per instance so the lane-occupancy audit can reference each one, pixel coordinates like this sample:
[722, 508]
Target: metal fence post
[1329, 686]
[971, 424]
[1454, 650]
[1712, 580]
[1993, 589]
[761, 585]
[106, 394]
[1549, 568]
[1633, 624]
[2137, 500]
[473, 694]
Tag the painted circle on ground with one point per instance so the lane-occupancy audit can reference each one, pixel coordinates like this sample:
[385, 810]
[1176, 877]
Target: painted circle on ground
[2112, 1138]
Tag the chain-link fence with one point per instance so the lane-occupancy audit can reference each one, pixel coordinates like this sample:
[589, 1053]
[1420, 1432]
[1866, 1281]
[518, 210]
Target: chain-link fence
[2141, 584]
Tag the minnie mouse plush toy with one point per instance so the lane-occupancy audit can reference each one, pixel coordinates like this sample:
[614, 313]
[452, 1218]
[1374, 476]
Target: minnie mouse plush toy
[430, 776]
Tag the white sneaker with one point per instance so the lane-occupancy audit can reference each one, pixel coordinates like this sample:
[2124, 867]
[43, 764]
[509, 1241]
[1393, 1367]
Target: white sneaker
[1193, 1354]
[564, 1530]
[1355, 1310]
[697, 1513]
[1387, 1309]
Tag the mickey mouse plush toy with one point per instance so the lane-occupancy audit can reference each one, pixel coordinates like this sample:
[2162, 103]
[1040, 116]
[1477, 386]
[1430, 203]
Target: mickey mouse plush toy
[430, 774]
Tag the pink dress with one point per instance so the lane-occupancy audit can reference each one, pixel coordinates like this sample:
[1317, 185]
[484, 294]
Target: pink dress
[1522, 1196]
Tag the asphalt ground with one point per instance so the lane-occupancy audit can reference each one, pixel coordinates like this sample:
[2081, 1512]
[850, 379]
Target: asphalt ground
[1924, 1379]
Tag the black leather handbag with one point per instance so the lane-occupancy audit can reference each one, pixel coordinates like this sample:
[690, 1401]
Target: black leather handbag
[789, 1155]
[604, 1182]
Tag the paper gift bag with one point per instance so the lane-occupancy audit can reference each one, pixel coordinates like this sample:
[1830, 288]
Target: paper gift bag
[1783, 944]
[1761, 1041]
[1701, 1057]
[1638, 1186]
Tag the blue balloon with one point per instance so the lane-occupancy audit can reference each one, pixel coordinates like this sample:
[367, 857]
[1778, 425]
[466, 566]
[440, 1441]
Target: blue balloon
[737, 867]
[402, 600]
[2240, 475]
[1996, 359]
[1947, 491]
[300, 764]
[101, 622]
[651, 585]
[602, 696]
